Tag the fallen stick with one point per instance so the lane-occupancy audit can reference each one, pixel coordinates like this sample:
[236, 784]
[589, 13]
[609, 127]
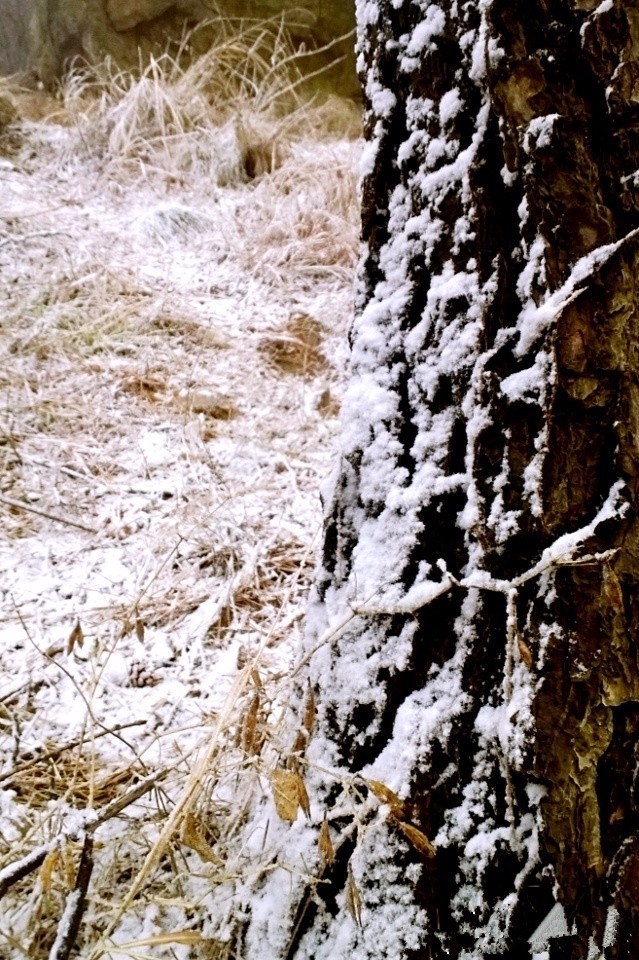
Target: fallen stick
[74, 906]
[9, 502]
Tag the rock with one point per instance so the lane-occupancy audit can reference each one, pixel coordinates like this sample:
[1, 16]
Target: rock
[130, 30]
[126, 14]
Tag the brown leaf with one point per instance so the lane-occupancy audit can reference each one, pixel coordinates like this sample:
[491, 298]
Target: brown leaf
[525, 653]
[286, 793]
[385, 795]
[325, 844]
[47, 868]
[183, 937]
[299, 744]
[417, 839]
[257, 680]
[139, 629]
[353, 898]
[250, 741]
[67, 865]
[308, 717]
[76, 638]
[192, 836]
[302, 795]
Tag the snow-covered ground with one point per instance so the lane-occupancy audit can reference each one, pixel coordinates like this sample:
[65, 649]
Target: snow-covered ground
[171, 359]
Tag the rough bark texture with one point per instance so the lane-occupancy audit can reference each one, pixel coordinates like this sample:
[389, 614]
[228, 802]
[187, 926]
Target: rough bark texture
[490, 444]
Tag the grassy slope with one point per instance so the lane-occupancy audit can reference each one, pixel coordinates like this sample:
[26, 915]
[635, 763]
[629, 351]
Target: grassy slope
[176, 261]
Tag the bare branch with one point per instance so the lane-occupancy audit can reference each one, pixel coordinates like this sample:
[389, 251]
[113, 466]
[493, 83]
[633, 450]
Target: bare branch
[19, 505]
[75, 905]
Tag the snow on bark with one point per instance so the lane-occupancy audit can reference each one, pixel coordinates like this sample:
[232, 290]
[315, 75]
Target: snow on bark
[444, 613]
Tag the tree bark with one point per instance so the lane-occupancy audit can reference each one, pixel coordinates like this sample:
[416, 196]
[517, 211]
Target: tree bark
[483, 525]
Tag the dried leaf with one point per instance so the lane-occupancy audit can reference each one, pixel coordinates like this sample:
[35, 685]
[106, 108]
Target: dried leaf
[325, 844]
[353, 898]
[417, 839]
[257, 680]
[139, 629]
[76, 638]
[525, 653]
[385, 795]
[67, 865]
[612, 588]
[286, 793]
[46, 870]
[299, 744]
[302, 794]
[308, 717]
[183, 937]
[250, 739]
[192, 836]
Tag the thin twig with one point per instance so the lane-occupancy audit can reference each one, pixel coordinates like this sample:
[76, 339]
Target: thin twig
[10, 502]
[17, 238]
[75, 905]
[81, 694]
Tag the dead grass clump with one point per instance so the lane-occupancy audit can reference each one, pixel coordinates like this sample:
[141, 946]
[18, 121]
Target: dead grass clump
[8, 111]
[219, 116]
[187, 330]
[209, 403]
[30, 105]
[144, 384]
[295, 347]
[78, 778]
[334, 118]
[262, 146]
[305, 219]
[176, 221]
[229, 114]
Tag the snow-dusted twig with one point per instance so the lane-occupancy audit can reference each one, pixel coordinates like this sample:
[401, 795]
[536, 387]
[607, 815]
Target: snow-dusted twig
[17, 871]
[560, 553]
[27, 237]
[20, 505]
[74, 907]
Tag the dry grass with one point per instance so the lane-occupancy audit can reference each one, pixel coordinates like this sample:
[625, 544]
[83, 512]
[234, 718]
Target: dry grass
[167, 414]
[229, 115]
[304, 220]
[297, 346]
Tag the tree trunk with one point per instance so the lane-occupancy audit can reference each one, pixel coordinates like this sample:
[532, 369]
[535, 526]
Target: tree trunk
[473, 644]
[492, 417]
